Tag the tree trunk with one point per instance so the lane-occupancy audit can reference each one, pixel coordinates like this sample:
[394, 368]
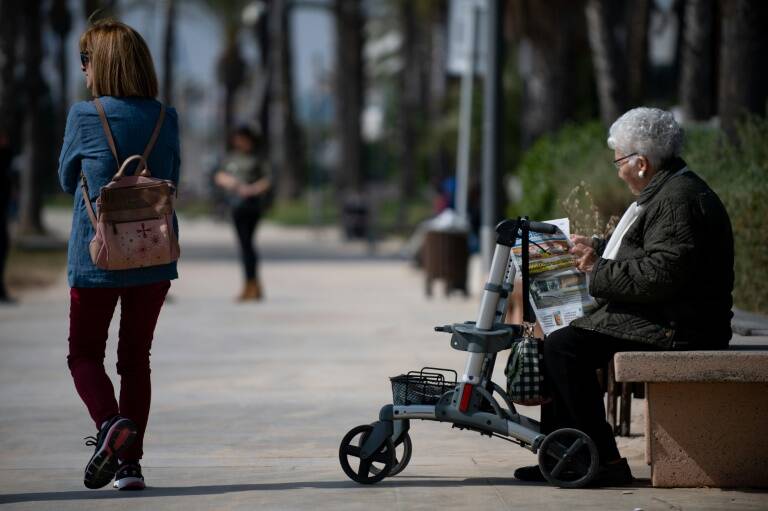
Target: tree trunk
[697, 76]
[286, 148]
[349, 93]
[743, 85]
[410, 102]
[637, 50]
[9, 18]
[436, 90]
[169, 38]
[548, 59]
[607, 59]
[31, 200]
[61, 22]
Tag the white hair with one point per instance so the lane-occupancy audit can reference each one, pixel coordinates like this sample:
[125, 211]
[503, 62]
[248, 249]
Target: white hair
[649, 132]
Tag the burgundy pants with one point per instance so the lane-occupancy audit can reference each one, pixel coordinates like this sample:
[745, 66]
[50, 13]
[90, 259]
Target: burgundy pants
[90, 313]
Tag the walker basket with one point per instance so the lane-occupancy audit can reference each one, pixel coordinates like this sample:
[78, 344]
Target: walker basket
[423, 387]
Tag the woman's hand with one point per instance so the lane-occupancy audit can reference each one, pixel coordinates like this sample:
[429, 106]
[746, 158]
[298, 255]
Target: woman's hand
[226, 180]
[254, 189]
[586, 257]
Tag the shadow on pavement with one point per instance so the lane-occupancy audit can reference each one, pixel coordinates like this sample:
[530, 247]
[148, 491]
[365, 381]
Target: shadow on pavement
[182, 491]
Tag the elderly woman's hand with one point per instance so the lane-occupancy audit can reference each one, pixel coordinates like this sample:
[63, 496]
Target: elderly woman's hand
[584, 253]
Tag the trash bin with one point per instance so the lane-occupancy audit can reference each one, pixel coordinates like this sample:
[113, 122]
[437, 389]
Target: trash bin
[354, 218]
[445, 255]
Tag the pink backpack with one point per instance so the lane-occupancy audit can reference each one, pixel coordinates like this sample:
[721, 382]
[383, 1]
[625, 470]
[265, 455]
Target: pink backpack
[134, 226]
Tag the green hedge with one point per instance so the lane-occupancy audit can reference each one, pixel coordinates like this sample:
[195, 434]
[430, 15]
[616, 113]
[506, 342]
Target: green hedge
[574, 166]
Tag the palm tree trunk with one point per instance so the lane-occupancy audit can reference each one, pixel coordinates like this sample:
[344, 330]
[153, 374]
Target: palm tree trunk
[30, 203]
[637, 50]
[743, 86]
[61, 22]
[697, 75]
[286, 147]
[409, 109]
[606, 59]
[169, 38]
[349, 93]
[9, 18]
[551, 34]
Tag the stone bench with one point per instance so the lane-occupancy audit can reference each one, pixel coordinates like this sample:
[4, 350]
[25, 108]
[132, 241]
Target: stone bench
[706, 421]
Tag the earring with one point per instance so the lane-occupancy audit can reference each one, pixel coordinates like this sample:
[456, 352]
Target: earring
[641, 174]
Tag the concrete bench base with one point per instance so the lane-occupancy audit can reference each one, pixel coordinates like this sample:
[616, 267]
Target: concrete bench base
[707, 434]
[706, 415]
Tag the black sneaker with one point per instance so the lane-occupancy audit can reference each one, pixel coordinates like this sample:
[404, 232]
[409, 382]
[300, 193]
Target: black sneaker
[113, 437]
[613, 474]
[129, 477]
[530, 474]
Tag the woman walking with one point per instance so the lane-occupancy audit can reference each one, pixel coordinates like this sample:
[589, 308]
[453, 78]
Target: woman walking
[120, 75]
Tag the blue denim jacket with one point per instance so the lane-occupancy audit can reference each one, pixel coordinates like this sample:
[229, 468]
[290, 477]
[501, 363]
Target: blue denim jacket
[86, 149]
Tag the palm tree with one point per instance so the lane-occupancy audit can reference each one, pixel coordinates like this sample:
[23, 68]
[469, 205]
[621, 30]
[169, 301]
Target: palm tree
[286, 147]
[743, 45]
[169, 38]
[61, 23]
[551, 38]
[607, 58]
[9, 19]
[30, 203]
[349, 92]
[697, 73]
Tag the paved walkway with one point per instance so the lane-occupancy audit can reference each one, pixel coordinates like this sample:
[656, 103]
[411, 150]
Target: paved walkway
[251, 401]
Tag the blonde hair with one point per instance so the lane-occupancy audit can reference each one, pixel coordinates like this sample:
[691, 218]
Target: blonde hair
[121, 64]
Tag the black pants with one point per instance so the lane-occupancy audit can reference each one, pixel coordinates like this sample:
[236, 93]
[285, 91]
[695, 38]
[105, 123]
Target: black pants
[246, 217]
[571, 356]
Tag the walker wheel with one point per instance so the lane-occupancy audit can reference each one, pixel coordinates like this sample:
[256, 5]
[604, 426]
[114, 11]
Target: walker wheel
[401, 458]
[568, 458]
[370, 470]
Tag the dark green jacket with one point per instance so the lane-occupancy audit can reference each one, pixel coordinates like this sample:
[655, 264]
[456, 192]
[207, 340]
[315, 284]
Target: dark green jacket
[671, 281]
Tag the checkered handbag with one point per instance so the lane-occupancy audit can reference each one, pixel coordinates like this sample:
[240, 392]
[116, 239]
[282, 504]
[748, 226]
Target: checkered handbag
[525, 373]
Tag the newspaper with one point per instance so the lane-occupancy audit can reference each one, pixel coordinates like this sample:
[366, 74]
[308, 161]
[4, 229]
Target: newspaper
[559, 291]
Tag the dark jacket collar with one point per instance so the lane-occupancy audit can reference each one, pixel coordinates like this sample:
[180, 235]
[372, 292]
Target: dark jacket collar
[667, 169]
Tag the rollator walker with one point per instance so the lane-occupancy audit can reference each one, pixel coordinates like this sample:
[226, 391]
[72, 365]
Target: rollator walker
[567, 457]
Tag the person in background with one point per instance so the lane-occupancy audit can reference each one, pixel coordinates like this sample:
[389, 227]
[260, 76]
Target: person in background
[244, 176]
[662, 281]
[119, 71]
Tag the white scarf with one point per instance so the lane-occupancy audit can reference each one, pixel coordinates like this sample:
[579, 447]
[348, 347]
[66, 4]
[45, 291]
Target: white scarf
[629, 217]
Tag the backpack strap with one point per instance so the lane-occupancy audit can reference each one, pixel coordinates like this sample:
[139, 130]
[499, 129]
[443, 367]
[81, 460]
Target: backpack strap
[107, 131]
[153, 139]
[111, 142]
[87, 200]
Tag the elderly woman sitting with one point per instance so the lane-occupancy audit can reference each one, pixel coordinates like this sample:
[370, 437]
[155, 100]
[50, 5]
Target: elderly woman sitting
[662, 281]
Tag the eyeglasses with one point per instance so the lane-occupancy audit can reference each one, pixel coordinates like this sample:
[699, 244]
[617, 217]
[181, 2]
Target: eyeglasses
[619, 162]
[85, 57]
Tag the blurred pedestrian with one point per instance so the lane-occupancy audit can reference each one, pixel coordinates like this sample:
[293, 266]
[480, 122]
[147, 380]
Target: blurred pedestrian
[119, 71]
[244, 175]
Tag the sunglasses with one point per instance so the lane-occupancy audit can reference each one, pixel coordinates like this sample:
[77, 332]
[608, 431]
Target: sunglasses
[619, 162]
[84, 58]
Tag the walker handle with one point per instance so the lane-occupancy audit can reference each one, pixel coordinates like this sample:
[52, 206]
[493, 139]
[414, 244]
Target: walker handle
[542, 227]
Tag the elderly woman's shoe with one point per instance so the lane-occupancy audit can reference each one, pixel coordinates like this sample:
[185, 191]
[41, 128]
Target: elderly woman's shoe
[614, 474]
[530, 474]
[129, 476]
[113, 437]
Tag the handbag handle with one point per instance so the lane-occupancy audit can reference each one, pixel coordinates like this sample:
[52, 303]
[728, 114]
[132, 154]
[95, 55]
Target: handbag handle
[142, 162]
